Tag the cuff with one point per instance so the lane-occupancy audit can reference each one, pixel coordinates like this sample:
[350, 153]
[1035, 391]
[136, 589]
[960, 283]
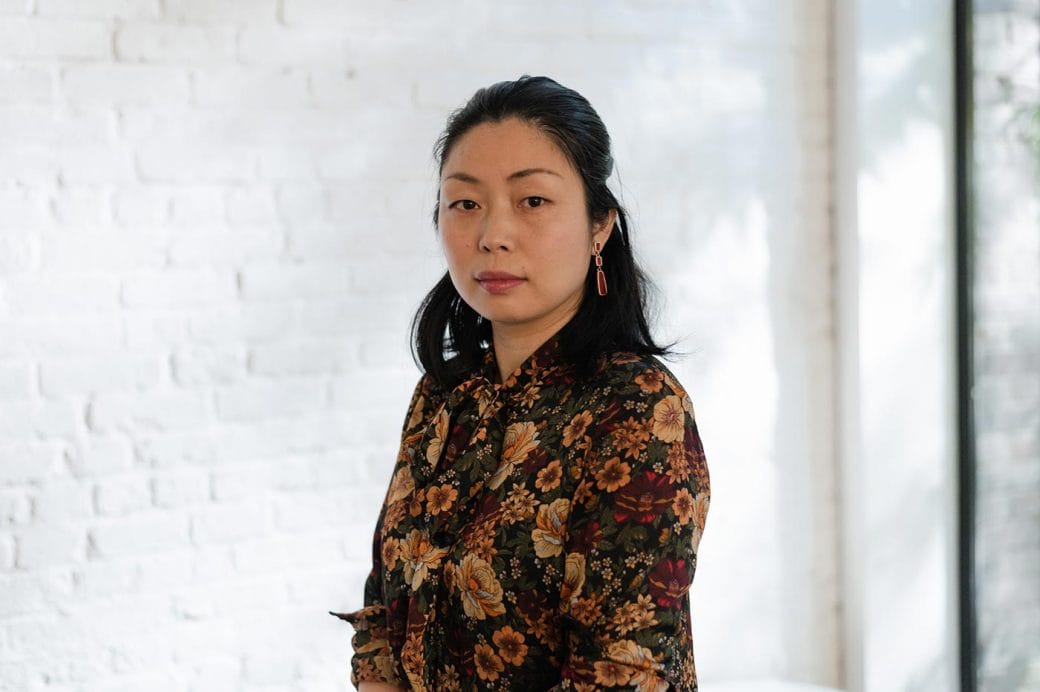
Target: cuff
[373, 659]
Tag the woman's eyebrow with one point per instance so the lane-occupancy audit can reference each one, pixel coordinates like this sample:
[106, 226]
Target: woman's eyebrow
[531, 171]
[467, 178]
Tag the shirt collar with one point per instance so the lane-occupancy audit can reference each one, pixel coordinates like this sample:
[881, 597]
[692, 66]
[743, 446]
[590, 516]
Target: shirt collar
[536, 368]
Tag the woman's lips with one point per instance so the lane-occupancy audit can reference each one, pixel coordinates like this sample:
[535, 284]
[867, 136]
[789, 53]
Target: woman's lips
[499, 285]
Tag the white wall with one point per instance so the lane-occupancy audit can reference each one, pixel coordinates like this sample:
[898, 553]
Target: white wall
[214, 228]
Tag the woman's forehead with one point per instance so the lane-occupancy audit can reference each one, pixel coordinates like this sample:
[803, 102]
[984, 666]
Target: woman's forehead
[502, 150]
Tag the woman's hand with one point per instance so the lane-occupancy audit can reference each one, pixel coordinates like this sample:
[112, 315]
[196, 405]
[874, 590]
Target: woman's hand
[378, 687]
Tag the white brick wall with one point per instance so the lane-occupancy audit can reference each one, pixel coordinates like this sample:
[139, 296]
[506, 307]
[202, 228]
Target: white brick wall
[214, 229]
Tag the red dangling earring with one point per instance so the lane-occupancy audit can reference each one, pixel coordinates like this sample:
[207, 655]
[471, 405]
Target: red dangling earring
[601, 278]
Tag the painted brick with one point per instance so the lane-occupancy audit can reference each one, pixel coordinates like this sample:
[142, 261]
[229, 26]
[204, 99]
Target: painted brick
[154, 410]
[62, 502]
[45, 38]
[180, 488]
[275, 45]
[139, 534]
[99, 9]
[26, 84]
[67, 294]
[15, 507]
[265, 399]
[286, 282]
[124, 84]
[230, 523]
[30, 462]
[122, 495]
[42, 547]
[204, 12]
[174, 45]
[177, 288]
[17, 380]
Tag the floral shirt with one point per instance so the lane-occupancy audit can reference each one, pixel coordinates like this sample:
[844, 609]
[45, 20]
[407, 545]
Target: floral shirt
[539, 534]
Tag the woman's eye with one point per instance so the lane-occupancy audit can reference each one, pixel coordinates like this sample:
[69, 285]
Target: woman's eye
[535, 201]
[466, 204]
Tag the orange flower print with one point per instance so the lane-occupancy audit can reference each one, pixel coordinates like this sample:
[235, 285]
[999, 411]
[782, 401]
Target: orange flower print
[391, 550]
[588, 610]
[440, 498]
[635, 615]
[576, 428]
[549, 477]
[417, 413]
[401, 486]
[573, 576]
[436, 446]
[682, 505]
[643, 611]
[510, 645]
[552, 524]
[419, 556]
[480, 537]
[489, 665]
[687, 404]
[700, 515]
[640, 663]
[415, 501]
[613, 475]
[678, 469]
[518, 505]
[630, 438]
[668, 419]
[582, 492]
[485, 398]
[650, 381]
[484, 547]
[394, 514]
[480, 590]
[385, 666]
[612, 673]
[448, 680]
[529, 397]
[544, 629]
[412, 657]
[520, 440]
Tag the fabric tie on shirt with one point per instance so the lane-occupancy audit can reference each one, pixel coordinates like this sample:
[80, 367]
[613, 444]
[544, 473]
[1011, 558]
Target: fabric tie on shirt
[468, 420]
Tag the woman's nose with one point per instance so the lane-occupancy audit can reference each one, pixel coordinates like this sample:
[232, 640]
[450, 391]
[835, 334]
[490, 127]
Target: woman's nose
[497, 231]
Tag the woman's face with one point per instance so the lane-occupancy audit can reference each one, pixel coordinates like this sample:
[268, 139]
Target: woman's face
[511, 202]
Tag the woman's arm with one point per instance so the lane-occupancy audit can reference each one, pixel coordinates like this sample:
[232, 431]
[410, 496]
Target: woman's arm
[631, 546]
[378, 687]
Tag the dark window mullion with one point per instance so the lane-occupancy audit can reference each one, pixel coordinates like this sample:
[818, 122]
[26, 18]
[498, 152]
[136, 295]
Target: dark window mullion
[963, 90]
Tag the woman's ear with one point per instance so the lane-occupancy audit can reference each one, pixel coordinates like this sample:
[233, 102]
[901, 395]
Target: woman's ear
[603, 229]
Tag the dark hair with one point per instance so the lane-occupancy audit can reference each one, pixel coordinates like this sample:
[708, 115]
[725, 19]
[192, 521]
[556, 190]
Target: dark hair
[614, 322]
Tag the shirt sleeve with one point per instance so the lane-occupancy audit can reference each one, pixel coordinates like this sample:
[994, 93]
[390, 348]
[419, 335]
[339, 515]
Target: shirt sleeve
[633, 531]
[373, 659]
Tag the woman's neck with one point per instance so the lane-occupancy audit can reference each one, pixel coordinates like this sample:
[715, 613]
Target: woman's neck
[513, 346]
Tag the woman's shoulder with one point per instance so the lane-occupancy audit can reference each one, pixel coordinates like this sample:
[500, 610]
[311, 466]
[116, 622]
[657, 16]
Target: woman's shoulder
[647, 372]
[628, 376]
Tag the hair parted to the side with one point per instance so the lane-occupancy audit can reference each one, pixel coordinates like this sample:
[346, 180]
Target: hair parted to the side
[449, 337]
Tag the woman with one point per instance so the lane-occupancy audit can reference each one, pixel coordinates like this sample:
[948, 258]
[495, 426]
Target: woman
[541, 526]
